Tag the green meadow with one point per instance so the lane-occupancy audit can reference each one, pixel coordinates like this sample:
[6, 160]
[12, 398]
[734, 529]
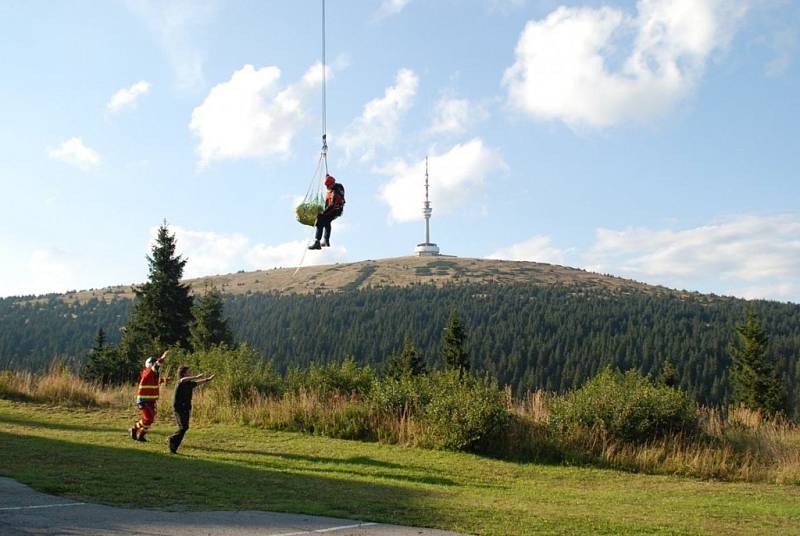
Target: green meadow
[86, 454]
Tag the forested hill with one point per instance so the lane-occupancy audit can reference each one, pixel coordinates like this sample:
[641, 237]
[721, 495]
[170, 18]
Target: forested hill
[531, 325]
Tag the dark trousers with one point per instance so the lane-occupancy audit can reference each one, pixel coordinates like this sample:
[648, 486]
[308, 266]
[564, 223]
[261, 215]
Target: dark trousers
[182, 418]
[324, 224]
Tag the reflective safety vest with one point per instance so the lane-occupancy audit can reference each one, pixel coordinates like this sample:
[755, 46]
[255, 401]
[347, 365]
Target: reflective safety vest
[148, 386]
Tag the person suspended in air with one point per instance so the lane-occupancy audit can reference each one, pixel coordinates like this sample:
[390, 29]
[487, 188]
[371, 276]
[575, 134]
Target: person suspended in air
[334, 206]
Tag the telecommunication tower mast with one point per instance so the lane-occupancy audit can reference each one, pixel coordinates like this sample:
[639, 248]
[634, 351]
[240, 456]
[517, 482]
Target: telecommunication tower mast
[427, 249]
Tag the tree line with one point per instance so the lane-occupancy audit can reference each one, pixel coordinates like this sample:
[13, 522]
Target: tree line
[529, 337]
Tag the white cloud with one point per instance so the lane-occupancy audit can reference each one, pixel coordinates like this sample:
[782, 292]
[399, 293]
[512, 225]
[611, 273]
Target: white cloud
[538, 248]
[211, 253]
[779, 292]
[455, 176]
[127, 96]
[454, 116]
[747, 251]
[251, 116]
[176, 24]
[391, 7]
[289, 254]
[378, 124]
[75, 153]
[50, 270]
[601, 67]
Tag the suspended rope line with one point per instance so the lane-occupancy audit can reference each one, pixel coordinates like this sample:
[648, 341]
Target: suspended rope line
[314, 202]
[324, 95]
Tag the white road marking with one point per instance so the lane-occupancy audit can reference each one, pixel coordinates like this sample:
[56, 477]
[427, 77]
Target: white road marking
[321, 531]
[40, 506]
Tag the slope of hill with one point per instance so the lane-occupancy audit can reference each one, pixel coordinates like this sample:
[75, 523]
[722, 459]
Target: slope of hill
[395, 272]
[533, 326]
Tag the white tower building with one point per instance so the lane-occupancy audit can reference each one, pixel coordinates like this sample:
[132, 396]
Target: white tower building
[427, 249]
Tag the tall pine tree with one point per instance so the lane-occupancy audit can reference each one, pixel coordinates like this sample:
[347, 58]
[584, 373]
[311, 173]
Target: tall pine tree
[409, 362]
[102, 363]
[454, 353]
[210, 328]
[162, 311]
[755, 382]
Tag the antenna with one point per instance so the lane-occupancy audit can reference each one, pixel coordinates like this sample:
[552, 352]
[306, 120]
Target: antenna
[427, 249]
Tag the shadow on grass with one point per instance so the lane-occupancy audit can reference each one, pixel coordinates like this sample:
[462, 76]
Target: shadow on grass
[330, 469]
[148, 478]
[58, 425]
[353, 460]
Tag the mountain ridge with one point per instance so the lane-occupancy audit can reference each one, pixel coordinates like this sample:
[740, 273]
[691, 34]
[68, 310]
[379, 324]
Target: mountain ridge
[392, 272]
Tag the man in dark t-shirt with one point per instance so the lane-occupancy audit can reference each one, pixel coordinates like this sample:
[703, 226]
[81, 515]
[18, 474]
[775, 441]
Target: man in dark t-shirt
[182, 403]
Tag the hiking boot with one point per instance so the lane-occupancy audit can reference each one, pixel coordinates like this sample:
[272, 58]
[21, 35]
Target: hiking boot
[326, 243]
[141, 438]
[133, 433]
[315, 245]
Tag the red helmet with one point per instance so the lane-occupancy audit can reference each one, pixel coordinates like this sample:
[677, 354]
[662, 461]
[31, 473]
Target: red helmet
[329, 180]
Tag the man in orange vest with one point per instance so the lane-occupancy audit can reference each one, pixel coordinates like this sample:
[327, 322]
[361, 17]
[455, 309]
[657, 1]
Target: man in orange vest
[147, 396]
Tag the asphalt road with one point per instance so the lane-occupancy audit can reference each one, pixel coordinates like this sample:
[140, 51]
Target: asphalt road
[25, 511]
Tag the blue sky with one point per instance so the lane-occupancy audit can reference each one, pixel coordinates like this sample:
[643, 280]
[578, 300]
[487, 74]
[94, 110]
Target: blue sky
[655, 140]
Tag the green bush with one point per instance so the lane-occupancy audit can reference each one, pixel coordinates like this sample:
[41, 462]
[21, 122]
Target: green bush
[625, 406]
[461, 410]
[328, 379]
[401, 395]
[240, 372]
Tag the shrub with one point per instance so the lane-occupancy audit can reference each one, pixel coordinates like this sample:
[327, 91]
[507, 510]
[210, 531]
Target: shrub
[240, 372]
[461, 410]
[626, 406]
[341, 379]
[400, 396]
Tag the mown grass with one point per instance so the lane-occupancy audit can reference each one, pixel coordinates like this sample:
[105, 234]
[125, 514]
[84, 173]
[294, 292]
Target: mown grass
[84, 453]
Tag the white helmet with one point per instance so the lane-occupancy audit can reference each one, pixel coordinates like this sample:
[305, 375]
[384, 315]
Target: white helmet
[150, 362]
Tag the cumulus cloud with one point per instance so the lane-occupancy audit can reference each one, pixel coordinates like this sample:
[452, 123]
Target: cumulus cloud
[454, 176]
[754, 252]
[251, 115]
[391, 7]
[453, 115]
[127, 96]
[601, 67]
[538, 248]
[175, 25]
[378, 124]
[211, 253]
[75, 153]
[50, 270]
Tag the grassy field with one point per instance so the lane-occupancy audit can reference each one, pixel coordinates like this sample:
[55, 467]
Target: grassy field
[87, 455]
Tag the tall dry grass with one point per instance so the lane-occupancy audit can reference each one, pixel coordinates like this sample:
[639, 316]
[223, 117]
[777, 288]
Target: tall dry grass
[733, 444]
[60, 386]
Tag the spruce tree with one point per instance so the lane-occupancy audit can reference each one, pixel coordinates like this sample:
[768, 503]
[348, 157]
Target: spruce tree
[454, 353]
[162, 310]
[668, 376]
[408, 362]
[210, 328]
[102, 364]
[755, 382]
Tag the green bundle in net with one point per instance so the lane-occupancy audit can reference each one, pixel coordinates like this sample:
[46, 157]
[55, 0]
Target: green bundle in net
[309, 209]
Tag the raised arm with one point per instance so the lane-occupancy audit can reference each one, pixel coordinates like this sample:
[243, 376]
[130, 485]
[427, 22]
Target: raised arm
[204, 380]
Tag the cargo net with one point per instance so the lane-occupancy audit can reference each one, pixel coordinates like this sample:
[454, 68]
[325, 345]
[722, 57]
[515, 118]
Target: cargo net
[314, 201]
[309, 209]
